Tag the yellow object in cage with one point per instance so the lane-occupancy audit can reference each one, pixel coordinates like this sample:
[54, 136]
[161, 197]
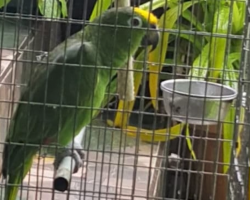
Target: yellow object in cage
[159, 135]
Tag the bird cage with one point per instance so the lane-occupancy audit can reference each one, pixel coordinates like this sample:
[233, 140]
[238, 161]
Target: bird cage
[103, 99]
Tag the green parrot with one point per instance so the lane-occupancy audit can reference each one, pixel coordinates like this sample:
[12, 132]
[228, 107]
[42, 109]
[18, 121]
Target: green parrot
[64, 95]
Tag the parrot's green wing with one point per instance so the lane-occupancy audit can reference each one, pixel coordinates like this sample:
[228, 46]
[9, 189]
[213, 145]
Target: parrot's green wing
[58, 53]
[48, 107]
[63, 96]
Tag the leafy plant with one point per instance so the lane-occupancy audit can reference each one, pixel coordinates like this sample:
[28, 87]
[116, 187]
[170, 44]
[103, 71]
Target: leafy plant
[4, 2]
[53, 8]
[216, 57]
[224, 67]
[48, 8]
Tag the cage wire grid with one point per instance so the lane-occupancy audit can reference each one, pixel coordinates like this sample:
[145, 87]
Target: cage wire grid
[117, 166]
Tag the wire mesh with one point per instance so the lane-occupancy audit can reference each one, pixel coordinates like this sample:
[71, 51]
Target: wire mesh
[132, 150]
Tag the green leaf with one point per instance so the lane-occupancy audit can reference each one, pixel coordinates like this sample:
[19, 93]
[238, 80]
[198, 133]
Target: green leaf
[50, 8]
[100, 7]
[228, 133]
[167, 21]
[152, 5]
[189, 143]
[232, 57]
[236, 18]
[172, 61]
[193, 20]
[206, 12]
[242, 11]
[195, 40]
[228, 130]
[4, 2]
[200, 65]
[64, 10]
[218, 45]
[230, 77]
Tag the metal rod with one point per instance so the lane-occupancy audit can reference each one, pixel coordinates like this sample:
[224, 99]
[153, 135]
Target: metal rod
[66, 167]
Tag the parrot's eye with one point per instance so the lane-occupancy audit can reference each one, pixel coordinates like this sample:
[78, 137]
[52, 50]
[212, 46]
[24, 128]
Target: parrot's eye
[135, 21]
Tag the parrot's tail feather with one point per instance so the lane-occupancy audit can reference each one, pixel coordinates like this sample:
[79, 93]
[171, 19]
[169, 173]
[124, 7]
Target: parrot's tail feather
[15, 168]
[11, 189]
[14, 180]
[4, 160]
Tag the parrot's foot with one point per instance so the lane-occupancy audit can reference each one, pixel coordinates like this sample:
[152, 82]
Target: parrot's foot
[76, 153]
[41, 56]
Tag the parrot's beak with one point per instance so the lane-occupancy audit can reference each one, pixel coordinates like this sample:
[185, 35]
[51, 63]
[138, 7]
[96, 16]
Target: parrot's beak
[151, 38]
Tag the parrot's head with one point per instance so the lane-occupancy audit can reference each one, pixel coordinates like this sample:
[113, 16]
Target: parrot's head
[149, 24]
[120, 31]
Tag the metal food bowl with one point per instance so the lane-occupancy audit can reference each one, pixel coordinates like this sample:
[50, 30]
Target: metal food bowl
[197, 102]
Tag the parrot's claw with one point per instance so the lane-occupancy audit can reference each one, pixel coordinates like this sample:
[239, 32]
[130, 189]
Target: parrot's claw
[76, 153]
[41, 56]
